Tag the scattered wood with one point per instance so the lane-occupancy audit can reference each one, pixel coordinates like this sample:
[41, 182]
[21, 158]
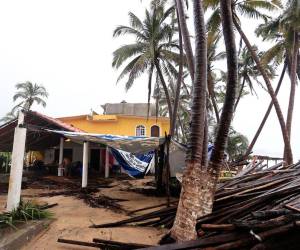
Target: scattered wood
[123, 245]
[255, 210]
[104, 244]
[49, 206]
[79, 243]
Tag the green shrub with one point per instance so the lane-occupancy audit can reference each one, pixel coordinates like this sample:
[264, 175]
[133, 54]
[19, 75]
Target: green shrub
[26, 211]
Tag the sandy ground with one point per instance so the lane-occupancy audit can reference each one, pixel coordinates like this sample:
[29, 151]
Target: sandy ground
[73, 218]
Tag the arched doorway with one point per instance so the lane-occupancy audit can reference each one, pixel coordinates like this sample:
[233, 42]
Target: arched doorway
[155, 131]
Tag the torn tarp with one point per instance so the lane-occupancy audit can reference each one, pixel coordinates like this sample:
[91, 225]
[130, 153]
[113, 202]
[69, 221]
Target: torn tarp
[132, 144]
[134, 165]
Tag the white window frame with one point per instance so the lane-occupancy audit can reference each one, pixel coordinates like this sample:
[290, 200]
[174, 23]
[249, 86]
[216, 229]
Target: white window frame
[140, 125]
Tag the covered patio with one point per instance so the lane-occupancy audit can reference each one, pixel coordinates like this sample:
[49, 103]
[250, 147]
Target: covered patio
[37, 132]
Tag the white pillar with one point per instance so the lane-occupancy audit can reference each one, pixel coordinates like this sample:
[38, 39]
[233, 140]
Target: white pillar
[17, 162]
[85, 164]
[107, 162]
[61, 157]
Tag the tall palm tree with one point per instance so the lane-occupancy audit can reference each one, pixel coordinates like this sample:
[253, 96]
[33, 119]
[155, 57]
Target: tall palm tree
[154, 46]
[248, 71]
[284, 30]
[186, 216]
[8, 117]
[29, 94]
[263, 122]
[213, 56]
[252, 9]
[186, 37]
[183, 112]
[199, 180]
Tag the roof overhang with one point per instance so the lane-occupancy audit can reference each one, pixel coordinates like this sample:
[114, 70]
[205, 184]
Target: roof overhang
[35, 139]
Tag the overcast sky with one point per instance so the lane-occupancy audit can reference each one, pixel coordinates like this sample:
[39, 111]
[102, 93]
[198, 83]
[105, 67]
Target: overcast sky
[67, 46]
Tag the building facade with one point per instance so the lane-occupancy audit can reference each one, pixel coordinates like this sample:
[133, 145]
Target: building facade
[126, 119]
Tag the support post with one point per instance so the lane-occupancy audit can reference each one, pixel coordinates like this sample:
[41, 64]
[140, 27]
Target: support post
[107, 162]
[17, 162]
[61, 157]
[85, 164]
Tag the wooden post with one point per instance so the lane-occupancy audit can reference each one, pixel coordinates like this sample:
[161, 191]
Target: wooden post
[85, 164]
[61, 157]
[17, 162]
[107, 162]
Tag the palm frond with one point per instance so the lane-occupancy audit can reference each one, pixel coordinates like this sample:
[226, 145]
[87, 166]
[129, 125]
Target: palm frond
[125, 52]
[122, 30]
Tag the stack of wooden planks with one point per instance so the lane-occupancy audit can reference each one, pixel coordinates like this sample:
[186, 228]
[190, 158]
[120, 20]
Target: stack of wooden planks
[257, 209]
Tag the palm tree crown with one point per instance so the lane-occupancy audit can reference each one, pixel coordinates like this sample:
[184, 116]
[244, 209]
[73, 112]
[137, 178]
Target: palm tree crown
[154, 49]
[29, 94]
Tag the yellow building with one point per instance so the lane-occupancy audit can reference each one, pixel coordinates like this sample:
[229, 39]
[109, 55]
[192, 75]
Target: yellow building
[121, 119]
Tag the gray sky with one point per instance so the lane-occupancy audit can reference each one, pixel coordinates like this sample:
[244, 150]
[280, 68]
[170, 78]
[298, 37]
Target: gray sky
[67, 46]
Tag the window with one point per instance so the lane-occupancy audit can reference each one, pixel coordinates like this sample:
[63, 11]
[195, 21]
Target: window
[140, 130]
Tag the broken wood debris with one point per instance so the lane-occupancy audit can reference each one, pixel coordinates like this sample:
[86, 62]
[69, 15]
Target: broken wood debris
[104, 244]
[251, 211]
[89, 194]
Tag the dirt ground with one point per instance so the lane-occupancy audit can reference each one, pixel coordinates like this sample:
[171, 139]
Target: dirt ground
[73, 217]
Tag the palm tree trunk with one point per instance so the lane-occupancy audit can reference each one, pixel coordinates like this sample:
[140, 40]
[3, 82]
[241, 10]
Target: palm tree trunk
[240, 94]
[182, 129]
[212, 96]
[186, 38]
[286, 139]
[262, 124]
[293, 76]
[179, 80]
[161, 77]
[217, 156]
[193, 195]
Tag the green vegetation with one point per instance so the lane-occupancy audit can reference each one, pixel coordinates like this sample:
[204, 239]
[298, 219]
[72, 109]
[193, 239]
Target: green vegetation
[207, 95]
[25, 212]
[28, 94]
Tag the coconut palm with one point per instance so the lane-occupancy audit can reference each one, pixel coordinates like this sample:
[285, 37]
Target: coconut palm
[29, 94]
[249, 73]
[8, 117]
[183, 112]
[213, 56]
[237, 145]
[199, 180]
[253, 9]
[284, 31]
[154, 46]
[186, 37]
[245, 8]
[263, 122]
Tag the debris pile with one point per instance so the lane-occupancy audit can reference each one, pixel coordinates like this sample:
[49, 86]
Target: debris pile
[90, 195]
[257, 209]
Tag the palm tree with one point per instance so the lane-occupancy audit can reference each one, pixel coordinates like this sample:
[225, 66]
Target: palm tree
[29, 94]
[199, 180]
[186, 216]
[284, 30]
[252, 9]
[237, 145]
[183, 112]
[8, 117]
[263, 122]
[248, 71]
[213, 56]
[154, 47]
[186, 38]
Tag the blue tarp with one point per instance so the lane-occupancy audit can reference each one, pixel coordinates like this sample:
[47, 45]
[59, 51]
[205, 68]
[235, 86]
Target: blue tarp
[134, 165]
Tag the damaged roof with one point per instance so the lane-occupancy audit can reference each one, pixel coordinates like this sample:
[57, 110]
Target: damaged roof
[35, 140]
